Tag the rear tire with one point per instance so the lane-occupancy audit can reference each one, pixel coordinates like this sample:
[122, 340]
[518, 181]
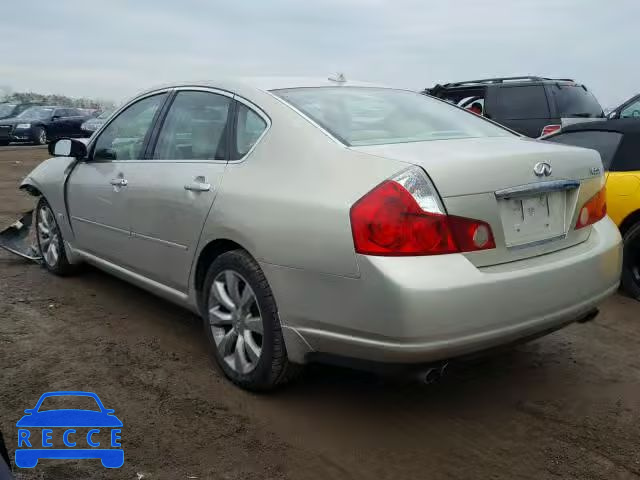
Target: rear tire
[242, 324]
[39, 136]
[50, 241]
[4, 143]
[631, 265]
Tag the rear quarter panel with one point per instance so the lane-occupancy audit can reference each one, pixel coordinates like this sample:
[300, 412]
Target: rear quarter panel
[288, 202]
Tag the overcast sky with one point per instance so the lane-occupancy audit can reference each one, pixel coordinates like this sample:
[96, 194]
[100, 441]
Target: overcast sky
[114, 48]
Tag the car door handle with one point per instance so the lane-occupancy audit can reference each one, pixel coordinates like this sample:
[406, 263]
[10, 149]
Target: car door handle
[199, 184]
[119, 182]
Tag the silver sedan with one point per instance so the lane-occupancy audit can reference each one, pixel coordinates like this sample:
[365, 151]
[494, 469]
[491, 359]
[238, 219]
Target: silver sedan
[313, 220]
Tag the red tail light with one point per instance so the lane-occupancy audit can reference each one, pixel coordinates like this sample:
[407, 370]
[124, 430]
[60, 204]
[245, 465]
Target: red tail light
[402, 216]
[595, 209]
[549, 129]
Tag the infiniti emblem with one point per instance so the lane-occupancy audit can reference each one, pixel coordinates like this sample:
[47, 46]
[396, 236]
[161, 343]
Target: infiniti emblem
[542, 169]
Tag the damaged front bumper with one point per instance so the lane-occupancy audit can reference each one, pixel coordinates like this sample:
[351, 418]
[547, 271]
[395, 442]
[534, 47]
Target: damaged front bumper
[17, 238]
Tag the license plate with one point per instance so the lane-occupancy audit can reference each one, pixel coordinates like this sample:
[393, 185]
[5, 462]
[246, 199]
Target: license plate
[533, 219]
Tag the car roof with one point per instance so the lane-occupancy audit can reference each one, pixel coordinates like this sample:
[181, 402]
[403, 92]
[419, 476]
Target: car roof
[244, 84]
[622, 125]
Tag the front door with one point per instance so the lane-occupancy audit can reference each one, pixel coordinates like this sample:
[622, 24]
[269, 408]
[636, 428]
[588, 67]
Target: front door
[98, 188]
[171, 193]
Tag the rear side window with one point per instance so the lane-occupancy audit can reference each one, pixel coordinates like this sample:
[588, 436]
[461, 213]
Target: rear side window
[195, 128]
[575, 101]
[521, 103]
[631, 111]
[249, 128]
[605, 143]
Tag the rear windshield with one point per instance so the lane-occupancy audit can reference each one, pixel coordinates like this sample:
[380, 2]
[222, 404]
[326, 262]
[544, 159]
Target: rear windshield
[373, 116]
[575, 101]
[606, 143]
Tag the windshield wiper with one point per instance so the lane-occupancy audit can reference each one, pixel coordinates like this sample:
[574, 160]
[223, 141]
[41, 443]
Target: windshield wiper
[582, 115]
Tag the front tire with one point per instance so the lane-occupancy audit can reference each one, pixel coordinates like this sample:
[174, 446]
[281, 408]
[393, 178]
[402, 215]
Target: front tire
[40, 136]
[4, 143]
[631, 265]
[50, 241]
[242, 324]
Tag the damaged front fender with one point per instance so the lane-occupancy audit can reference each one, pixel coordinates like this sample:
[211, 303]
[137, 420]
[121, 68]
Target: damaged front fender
[17, 238]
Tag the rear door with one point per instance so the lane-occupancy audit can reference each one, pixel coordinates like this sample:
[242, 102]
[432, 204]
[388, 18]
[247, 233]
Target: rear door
[74, 119]
[172, 189]
[57, 127]
[97, 188]
[523, 108]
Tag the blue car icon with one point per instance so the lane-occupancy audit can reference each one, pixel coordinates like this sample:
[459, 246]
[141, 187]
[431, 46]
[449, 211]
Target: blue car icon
[68, 419]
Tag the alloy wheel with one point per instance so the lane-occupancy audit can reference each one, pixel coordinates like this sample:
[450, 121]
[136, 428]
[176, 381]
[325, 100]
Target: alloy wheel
[235, 321]
[48, 236]
[42, 138]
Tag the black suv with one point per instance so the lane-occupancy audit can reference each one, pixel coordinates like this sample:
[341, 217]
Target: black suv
[533, 106]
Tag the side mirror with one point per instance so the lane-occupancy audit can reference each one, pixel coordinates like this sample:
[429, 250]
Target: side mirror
[55, 117]
[29, 410]
[68, 147]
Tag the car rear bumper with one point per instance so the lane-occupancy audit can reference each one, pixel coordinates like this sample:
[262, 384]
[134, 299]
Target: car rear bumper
[422, 309]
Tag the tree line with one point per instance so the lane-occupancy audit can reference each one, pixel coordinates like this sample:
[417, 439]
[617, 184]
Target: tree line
[62, 100]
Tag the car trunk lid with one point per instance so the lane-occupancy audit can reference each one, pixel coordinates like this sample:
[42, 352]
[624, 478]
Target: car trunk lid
[493, 180]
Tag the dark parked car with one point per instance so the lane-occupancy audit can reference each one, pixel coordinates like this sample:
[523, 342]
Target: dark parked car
[629, 109]
[618, 142]
[12, 109]
[41, 124]
[533, 106]
[94, 123]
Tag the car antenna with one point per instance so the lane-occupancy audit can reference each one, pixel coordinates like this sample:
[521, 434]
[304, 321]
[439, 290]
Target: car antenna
[338, 78]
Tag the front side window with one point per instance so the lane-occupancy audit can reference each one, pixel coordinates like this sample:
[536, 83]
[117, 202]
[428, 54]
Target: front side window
[521, 103]
[123, 138]
[195, 128]
[605, 143]
[249, 127]
[631, 111]
[375, 116]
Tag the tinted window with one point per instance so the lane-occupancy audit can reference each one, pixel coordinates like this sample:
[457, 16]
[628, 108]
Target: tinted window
[194, 128]
[631, 111]
[575, 101]
[606, 143]
[124, 137]
[521, 103]
[249, 127]
[374, 116]
[37, 113]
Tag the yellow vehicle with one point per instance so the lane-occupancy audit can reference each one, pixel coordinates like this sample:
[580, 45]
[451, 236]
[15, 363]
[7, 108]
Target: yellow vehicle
[618, 142]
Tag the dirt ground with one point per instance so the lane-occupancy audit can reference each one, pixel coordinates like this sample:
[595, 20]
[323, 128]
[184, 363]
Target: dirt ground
[565, 406]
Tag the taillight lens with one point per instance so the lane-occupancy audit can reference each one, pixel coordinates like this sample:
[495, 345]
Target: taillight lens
[595, 209]
[549, 129]
[404, 216]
